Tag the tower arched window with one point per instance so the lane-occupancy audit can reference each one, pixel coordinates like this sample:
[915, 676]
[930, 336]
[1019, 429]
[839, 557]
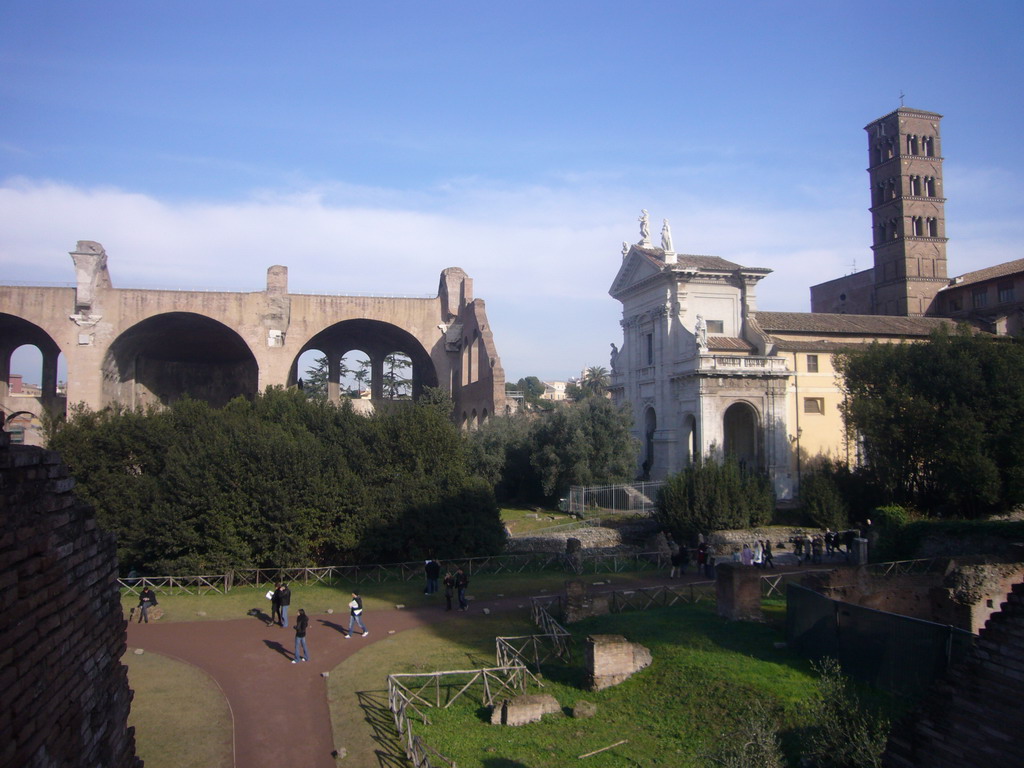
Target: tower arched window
[929, 186]
[911, 145]
[915, 186]
[929, 146]
[933, 227]
[917, 226]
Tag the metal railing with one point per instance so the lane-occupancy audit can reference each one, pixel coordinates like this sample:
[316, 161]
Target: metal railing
[599, 500]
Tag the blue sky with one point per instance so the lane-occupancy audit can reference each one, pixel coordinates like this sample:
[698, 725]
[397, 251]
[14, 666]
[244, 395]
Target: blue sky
[368, 146]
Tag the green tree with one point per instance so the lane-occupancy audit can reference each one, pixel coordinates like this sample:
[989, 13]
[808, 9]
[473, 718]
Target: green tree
[586, 445]
[280, 480]
[532, 388]
[317, 375]
[939, 422]
[595, 380]
[822, 500]
[711, 495]
[396, 384]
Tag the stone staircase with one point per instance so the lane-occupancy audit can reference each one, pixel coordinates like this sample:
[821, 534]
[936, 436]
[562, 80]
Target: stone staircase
[974, 715]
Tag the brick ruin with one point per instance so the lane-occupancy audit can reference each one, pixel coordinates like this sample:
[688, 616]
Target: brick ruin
[612, 659]
[960, 591]
[972, 717]
[64, 695]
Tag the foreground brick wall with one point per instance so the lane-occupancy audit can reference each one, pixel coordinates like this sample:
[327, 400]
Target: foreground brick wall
[973, 716]
[64, 695]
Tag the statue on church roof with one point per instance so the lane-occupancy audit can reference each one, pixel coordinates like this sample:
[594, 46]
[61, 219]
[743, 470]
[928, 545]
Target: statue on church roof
[666, 236]
[645, 228]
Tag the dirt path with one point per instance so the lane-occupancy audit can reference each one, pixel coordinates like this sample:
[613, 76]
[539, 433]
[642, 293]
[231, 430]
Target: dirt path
[280, 711]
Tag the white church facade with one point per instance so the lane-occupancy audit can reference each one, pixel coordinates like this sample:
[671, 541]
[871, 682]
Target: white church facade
[705, 373]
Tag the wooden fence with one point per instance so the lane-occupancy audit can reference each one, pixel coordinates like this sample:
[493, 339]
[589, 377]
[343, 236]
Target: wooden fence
[386, 572]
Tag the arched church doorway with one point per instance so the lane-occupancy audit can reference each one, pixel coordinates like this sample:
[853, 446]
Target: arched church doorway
[742, 435]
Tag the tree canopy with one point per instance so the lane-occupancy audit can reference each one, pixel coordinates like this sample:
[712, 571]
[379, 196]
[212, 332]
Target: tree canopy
[280, 480]
[939, 423]
[535, 458]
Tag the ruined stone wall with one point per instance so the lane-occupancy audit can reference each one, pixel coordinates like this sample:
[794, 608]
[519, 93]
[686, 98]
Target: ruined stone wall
[972, 716]
[64, 695]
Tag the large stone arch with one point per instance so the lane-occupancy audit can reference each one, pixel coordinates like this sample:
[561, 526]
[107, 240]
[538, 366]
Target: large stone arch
[377, 339]
[742, 435]
[27, 410]
[164, 357]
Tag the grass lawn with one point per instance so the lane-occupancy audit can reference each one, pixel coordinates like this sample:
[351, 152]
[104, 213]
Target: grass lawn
[180, 716]
[705, 675]
[522, 520]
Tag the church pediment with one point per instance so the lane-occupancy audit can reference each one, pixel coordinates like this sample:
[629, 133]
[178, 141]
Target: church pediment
[639, 265]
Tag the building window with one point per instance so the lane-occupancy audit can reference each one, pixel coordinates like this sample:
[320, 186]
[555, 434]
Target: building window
[17, 436]
[916, 226]
[911, 145]
[929, 186]
[814, 405]
[1005, 292]
[812, 363]
[716, 326]
[933, 227]
[979, 297]
[915, 186]
[650, 349]
[929, 145]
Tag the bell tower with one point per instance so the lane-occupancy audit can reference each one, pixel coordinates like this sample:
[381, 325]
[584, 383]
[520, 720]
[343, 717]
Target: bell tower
[907, 211]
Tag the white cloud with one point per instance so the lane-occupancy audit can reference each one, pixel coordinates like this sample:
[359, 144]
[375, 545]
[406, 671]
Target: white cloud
[542, 257]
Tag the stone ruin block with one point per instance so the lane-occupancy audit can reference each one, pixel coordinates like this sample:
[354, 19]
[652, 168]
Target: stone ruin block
[738, 590]
[611, 659]
[527, 708]
[579, 604]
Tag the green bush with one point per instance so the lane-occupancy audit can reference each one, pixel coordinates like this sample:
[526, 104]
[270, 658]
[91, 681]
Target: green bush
[713, 495]
[844, 733]
[822, 502]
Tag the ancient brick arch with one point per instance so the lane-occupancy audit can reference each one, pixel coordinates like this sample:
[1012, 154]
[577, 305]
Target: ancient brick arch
[377, 339]
[138, 346]
[166, 356]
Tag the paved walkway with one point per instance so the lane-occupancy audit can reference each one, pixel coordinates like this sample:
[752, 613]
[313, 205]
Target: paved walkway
[269, 696]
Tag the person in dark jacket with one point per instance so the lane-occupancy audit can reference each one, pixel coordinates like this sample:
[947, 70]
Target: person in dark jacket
[275, 605]
[432, 569]
[355, 609]
[461, 582]
[449, 589]
[285, 599]
[147, 599]
[301, 649]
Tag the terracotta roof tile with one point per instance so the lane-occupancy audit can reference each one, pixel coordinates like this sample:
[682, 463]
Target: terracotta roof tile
[989, 273]
[729, 343]
[851, 325]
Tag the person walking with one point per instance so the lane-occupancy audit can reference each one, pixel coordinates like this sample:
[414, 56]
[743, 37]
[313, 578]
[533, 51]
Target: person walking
[147, 599]
[355, 610]
[769, 559]
[449, 589]
[301, 648]
[461, 582]
[285, 600]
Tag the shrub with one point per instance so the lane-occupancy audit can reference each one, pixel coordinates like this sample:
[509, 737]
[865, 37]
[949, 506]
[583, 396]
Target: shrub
[822, 503]
[712, 495]
[845, 734]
